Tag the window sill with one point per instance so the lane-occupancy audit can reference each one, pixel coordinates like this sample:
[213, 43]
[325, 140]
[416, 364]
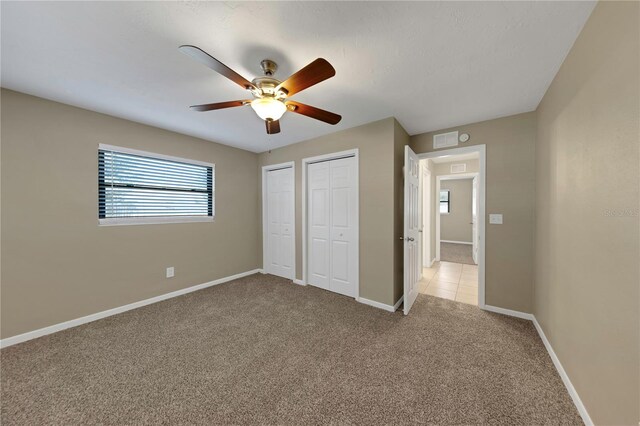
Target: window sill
[152, 220]
[441, 213]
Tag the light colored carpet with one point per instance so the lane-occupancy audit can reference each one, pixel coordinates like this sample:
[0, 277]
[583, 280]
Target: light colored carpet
[262, 350]
[458, 253]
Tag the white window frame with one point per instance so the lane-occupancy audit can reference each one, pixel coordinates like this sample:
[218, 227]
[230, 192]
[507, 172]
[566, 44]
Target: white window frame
[118, 221]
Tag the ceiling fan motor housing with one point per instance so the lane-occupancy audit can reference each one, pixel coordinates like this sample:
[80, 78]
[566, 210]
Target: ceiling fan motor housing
[269, 67]
[267, 87]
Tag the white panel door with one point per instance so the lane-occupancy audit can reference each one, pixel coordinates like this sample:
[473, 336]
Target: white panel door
[412, 218]
[280, 214]
[343, 224]
[332, 222]
[474, 219]
[318, 208]
[420, 240]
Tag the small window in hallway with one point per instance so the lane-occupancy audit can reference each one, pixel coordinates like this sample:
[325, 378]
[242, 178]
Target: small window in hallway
[445, 205]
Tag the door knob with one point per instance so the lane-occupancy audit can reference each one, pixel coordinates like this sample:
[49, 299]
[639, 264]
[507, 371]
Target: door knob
[410, 239]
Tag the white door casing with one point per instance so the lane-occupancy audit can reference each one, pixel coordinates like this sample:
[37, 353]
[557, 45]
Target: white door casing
[474, 219]
[412, 219]
[278, 221]
[426, 215]
[332, 225]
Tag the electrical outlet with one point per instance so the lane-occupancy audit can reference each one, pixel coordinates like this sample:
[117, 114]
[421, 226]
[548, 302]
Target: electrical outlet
[495, 219]
[171, 272]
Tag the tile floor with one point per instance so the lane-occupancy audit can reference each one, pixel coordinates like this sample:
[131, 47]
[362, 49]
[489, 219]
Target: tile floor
[453, 281]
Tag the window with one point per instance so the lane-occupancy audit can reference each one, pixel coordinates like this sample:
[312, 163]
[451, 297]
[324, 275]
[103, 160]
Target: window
[136, 187]
[445, 202]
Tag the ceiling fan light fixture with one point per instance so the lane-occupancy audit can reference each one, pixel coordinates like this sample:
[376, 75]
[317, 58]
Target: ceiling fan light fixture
[268, 108]
[271, 96]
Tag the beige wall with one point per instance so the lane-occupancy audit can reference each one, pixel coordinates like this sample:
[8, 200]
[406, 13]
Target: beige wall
[58, 264]
[375, 142]
[587, 227]
[439, 169]
[456, 226]
[510, 146]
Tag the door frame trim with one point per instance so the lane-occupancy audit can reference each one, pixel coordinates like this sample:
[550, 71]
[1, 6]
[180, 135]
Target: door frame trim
[427, 258]
[270, 168]
[328, 157]
[482, 191]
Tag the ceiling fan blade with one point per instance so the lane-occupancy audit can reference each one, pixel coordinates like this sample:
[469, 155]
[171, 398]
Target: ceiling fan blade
[273, 126]
[317, 71]
[219, 105]
[313, 112]
[203, 57]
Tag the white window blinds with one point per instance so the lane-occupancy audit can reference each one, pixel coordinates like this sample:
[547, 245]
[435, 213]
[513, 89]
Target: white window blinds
[131, 185]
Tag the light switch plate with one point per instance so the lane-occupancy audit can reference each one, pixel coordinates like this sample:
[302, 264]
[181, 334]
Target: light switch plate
[171, 272]
[495, 219]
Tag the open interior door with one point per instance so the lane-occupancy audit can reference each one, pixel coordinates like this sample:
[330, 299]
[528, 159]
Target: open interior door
[474, 219]
[412, 225]
[420, 240]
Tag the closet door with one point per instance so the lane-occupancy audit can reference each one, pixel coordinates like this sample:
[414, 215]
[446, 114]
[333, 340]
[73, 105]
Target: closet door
[332, 225]
[280, 211]
[343, 225]
[319, 224]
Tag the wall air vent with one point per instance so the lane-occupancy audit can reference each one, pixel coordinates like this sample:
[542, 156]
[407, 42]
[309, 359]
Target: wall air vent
[444, 140]
[458, 168]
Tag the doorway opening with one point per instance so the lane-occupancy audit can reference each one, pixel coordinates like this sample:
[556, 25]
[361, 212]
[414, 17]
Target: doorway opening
[457, 217]
[452, 192]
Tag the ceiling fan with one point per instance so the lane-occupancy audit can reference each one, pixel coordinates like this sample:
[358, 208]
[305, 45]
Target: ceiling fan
[270, 96]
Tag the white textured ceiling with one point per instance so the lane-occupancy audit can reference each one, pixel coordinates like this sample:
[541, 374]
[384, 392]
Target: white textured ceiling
[431, 65]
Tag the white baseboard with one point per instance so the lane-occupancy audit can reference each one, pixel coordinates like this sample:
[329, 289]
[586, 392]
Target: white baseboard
[379, 305]
[456, 242]
[9, 341]
[299, 282]
[398, 303]
[582, 410]
[509, 312]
